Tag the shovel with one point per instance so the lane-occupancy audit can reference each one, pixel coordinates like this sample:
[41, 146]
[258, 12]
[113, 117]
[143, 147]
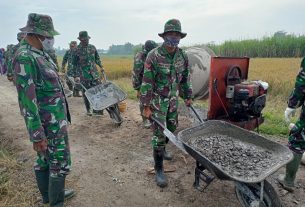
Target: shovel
[171, 136]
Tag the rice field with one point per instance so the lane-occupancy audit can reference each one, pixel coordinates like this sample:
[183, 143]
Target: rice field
[280, 73]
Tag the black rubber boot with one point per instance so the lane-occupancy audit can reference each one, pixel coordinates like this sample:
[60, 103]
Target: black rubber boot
[159, 171]
[56, 191]
[42, 178]
[98, 112]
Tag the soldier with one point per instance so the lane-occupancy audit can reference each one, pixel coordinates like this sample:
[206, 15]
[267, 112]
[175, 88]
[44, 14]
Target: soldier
[9, 54]
[296, 139]
[137, 73]
[84, 61]
[2, 65]
[68, 57]
[10, 71]
[166, 71]
[44, 108]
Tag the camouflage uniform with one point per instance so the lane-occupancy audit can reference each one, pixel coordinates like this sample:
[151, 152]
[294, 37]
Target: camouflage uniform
[138, 68]
[9, 54]
[68, 58]
[297, 134]
[2, 65]
[163, 75]
[45, 110]
[84, 61]
[53, 56]
[14, 49]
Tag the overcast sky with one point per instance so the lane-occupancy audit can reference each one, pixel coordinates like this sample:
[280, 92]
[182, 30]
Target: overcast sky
[118, 21]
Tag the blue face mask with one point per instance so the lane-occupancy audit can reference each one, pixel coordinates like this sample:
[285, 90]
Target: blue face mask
[171, 41]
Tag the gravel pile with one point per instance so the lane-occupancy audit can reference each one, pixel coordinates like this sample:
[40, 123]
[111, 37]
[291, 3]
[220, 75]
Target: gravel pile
[237, 158]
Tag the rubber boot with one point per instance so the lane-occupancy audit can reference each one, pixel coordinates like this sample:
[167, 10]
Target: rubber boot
[56, 191]
[159, 171]
[42, 178]
[87, 105]
[287, 180]
[76, 93]
[167, 155]
[303, 159]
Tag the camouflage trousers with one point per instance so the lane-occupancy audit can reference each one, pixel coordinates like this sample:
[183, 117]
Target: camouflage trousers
[166, 113]
[57, 158]
[296, 139]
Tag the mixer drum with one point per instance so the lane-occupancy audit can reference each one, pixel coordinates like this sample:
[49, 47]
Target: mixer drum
[199, 62]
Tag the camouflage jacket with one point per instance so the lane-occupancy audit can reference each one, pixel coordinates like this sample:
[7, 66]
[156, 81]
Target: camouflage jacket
[53, 56]
[40, 94]
[138, 69]
[297, 96]
[68, 58]
[164, 75]
[84, 62]
[9, 55]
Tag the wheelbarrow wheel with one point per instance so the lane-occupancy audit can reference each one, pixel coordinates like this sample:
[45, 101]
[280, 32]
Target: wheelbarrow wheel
[248, 195]
[115, 114]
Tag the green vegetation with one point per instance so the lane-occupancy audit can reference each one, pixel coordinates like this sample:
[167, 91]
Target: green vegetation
[279, 45]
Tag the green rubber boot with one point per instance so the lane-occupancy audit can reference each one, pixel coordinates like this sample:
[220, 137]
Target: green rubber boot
[287, 180]
[42, 178]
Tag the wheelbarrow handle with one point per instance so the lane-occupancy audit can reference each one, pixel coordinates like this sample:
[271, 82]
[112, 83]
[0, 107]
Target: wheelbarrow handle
[196, 113]
[170, 135]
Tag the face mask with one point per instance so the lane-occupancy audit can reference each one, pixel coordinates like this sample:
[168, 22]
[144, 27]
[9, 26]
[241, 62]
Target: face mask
[47, 43]
[171, 41]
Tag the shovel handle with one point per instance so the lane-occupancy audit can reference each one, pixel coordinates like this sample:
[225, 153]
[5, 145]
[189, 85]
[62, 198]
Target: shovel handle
[196, 113]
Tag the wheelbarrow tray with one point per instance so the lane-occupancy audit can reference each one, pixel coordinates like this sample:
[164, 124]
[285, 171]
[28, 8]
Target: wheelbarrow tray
[105, 95]
[281, 153]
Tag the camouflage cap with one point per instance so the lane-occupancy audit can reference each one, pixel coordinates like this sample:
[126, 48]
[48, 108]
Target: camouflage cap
[172, 25]
[149, 45]
[20, 35]
[83, 35]
[40, 24]
[73, 43]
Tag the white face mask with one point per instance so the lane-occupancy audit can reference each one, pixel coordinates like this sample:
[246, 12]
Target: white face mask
[47, 43]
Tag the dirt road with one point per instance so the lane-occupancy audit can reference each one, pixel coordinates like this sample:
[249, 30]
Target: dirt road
[110, 163]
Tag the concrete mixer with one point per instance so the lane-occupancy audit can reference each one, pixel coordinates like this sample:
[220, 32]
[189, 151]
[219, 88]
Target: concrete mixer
[200, 62]
[223, 80]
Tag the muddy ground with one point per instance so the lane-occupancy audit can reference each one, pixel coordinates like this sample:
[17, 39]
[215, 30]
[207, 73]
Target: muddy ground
[110, 163]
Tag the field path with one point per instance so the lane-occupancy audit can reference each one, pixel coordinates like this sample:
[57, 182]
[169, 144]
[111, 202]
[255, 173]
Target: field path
[110, 163]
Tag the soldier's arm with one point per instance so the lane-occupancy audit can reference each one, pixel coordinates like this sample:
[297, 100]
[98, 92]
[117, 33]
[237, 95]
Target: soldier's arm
[297, 96]
[64, 61]
[97, 59]
[25, 73]
[185, 83]
[148, 82]
[138, 68]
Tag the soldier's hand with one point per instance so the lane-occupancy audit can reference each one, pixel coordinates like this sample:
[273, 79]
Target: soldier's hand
[77, 79]
[10, 78]
[41, 146]
[188, 102]
[289, 112]
[147, 112]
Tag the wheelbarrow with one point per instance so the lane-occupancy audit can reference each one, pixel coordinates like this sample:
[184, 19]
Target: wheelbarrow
[251, 191]
[106, 95]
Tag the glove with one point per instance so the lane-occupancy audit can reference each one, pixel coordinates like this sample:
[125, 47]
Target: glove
[289, 112]
[188, 102]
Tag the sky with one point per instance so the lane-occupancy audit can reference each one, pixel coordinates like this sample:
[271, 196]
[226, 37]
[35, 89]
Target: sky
[117, 22]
